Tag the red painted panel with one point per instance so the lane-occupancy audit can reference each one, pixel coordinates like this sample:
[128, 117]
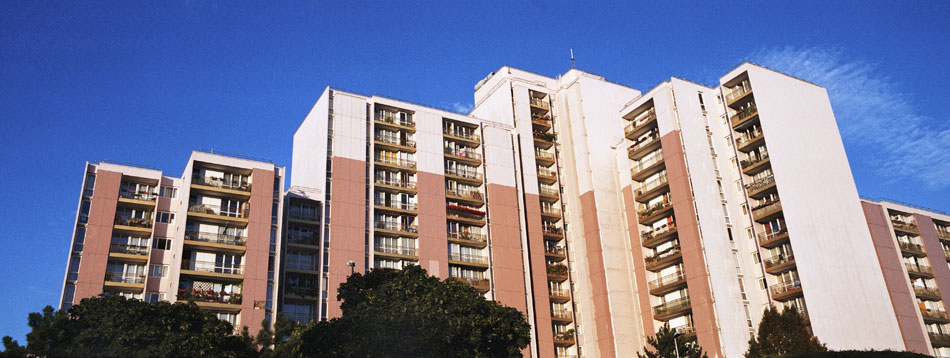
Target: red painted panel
[347, 223]
[507, 264]
[258, 248]
[95, 253]
[539, 276]
[639, 266]
[598, 276]
[433, 249]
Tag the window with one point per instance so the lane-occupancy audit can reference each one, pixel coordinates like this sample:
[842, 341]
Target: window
[84, 211]
[762, 284]
[162, 243]
[168, 192]
[702, 104]
[79, 239]
[88, 188]
[154, 297]
[158, 270]
[165, 217]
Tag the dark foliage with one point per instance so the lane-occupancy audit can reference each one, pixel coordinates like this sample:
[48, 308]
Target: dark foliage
[783, 334]
[665, 343]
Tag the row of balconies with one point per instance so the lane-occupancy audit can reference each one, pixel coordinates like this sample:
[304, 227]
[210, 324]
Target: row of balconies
[644, 168]
[219, 269]
[557, 272]
[209, 296]
[395, 205]
[738, 92]
[138, 250]
[392, 119]
[934, 315]
[753, 164]
[640, 149]
[141, 196]
[543, 139]
[555, 252]
[538, 102]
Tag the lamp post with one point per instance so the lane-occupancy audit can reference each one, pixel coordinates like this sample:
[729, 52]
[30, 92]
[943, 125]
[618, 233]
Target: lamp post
[352, 265]
[676, 346]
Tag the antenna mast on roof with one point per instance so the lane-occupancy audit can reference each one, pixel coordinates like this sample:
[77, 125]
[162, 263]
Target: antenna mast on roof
[572, 59]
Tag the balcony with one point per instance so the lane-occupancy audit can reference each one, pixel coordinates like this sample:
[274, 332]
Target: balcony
[550, 195]
[138, 199]
[124, 281]
[738, 92]
[919, 271]
[395, 143]
[559, 295]
[939, 339]
[468, 238]
[642, 148]
[551, 212]
[126, 249]
[140, 225]
[934, 315]
[557, 272]
[744, 117]
[464, 214]
[543, 140]
[538, 103]
[905, 227]
[479, 284]
[473, 197]
[562, 316]
[395, 206]
[565, 338]
[541, 122]
[395, 229]
[395, 251]
[302, 292]
[664, 259]
[480, 261]
[555, 252]
[911, 249]
[640, 125]
[646, 167]
[747, 142]
[670, 309]
[465, 176]
[760, 187]
[211, 299]
[667, 284]
[927, 293]
[779, 263]
[767, 211]
[215, 241]
[463, 154]
[471, 138]
[398, 186]
[392, 120]
[943, 235]
[772, 239]
[659, 235]
[753, 166]
[546, 175]
[212, 270]
[652, 214]
[688, 331]
[217, 213]
[216, 186]
[652, 188]
[395, 163]
[946, 254]
[544, 158]
[786, 291]
[552, 232]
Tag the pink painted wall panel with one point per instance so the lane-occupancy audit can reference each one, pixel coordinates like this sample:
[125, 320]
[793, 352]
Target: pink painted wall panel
[639, 266]
[433, 249]
[694, 262]
[258, 248]
[598, 276]
[347, 222]
[895, 279]
[928, 234]
[539, 276]
[95, 253]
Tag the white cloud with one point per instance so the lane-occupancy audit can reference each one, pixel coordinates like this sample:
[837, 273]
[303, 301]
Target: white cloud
[460, 107]
[875, 118]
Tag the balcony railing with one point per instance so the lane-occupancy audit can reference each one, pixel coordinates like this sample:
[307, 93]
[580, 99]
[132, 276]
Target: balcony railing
[934, 314]
[311, 239]
[394, 140]
[233, 212]
[542, 171]
[465, 212]
[396, 205]
[746, 163]
[737, 92]
[544, 155]
[562, 314]
[666, 280]
[396, 249]
[939, 339]
[919, 269]
[396, 161]
[463, 153]
[470, 174]
[904, 226]
[209, 296]
[777, 260]
[545, 137]
[911, 247]
[744, 114]
[766, 208]
[547, 191]
[642, 144]
[944, 235]
[760, 183]
[221, 183]
[215, 238]
[557, 250]
[537, 102]
[395, 227]
[650, 234]
[646, 163]
[134, 222]
[670, 306]
[541, 120]
[550, 210]
[394, 118]
[138, 196]
[646, 212]
[467, 236]
[302, 291]
[927, 292]
[559, 292]
[686, 330]
[644, 117]
[396, 183]
[475, 259]
[557, 269]
[477, 283]
[459, 134]
[472, 194]
[128, 249]
[123, 277]
[211, 266]
[785, 287]
[766, 236]
[747, 137]
[553, 230]
[657, 257]
[652, 184]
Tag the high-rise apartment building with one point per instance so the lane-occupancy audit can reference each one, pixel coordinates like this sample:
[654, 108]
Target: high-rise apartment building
[208, 236]
[599, 211]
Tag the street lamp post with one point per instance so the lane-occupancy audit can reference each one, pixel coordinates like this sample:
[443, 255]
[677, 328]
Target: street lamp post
[676, 346]
[352, 265]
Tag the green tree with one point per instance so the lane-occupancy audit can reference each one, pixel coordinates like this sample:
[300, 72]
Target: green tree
[667, 341]
[12, 349]
[783, 333]
[271, 341]
[407, 313]
[113, 326]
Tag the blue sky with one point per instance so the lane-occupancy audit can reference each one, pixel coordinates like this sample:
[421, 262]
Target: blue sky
[147, 82]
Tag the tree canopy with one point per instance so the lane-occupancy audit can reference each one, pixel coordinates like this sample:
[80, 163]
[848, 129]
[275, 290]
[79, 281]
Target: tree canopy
[407, 313]
[113, 326]
[781, 334]
[667, 341]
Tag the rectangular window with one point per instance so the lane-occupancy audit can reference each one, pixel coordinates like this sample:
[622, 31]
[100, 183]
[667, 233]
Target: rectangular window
[162, 243]
[154, 297]
[762, 284]
[168, 191]
[165, 217]
[158, 270]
